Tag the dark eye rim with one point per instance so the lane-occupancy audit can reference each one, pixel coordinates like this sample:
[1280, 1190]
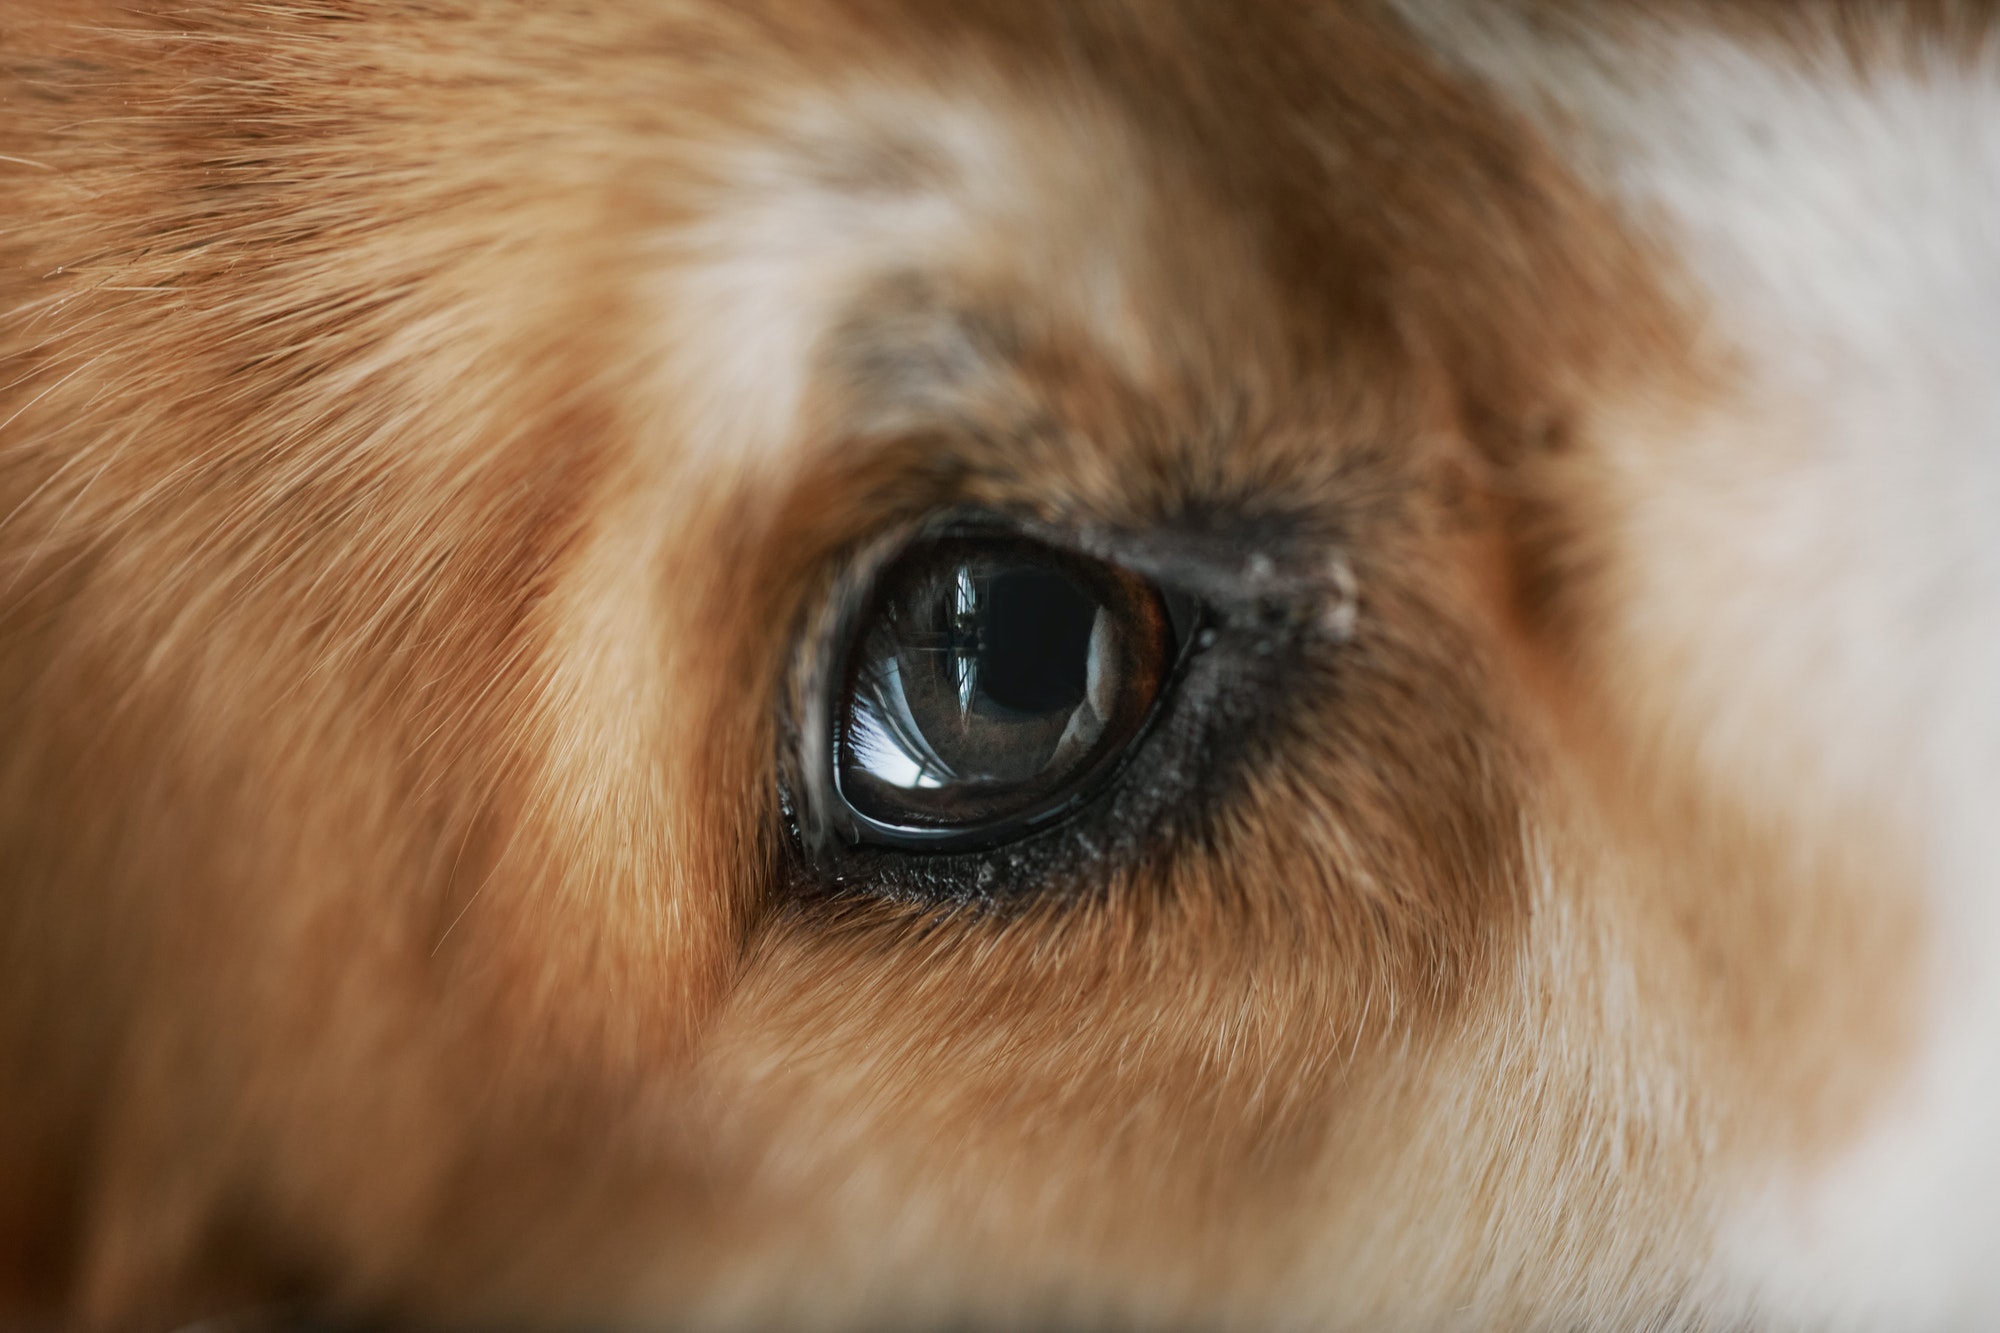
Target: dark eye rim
[1185, 616]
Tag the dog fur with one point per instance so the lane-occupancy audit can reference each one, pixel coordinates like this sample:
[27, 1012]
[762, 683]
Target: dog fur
[429, 432]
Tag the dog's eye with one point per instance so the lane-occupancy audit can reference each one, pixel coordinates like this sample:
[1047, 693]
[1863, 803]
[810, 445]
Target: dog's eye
[992, 686]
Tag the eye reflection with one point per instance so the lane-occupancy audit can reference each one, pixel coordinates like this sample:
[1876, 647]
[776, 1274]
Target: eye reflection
[993, 682]
[1001, 675]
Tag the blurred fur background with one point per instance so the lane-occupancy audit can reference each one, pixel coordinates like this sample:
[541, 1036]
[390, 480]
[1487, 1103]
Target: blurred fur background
[1558, 891]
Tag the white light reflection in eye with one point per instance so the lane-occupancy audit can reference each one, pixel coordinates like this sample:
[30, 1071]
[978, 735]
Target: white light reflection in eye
[965, 624]
[890, 747]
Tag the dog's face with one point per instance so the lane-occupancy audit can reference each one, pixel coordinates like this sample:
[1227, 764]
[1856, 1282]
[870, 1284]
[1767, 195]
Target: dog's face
[870, 664]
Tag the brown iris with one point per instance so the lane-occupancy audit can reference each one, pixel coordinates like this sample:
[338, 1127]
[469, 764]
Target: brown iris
[992, 685]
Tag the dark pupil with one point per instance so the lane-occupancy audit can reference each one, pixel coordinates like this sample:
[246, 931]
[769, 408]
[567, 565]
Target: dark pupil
[1033, 641]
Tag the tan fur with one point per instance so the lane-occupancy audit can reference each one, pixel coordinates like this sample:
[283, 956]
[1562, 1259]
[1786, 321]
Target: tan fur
[397, 597]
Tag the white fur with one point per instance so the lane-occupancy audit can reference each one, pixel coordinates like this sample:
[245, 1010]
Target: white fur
[848, 187]
[1820, 551]
[1845, 238]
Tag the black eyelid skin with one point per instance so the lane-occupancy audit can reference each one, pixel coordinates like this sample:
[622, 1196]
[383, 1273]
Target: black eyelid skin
[1265, 601]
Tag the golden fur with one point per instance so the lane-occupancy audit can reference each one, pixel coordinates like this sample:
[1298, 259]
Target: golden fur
[403, 571]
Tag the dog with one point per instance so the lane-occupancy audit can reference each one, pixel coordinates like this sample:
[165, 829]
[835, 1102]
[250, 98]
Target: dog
[840, 664]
